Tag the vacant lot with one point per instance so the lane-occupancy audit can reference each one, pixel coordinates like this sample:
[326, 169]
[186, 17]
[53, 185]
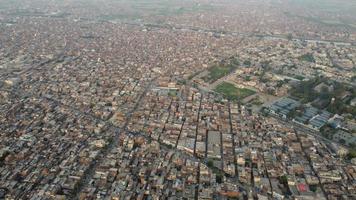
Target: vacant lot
[233, 93]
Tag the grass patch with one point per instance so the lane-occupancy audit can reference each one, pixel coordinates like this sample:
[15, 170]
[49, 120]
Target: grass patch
[233, 93]
[190, 77]
[307, 57]
[299, 77]
[172, 93]
[217, 72]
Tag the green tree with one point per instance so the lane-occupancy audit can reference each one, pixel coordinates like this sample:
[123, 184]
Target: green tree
[289, 36]
[210, 163]
[351, 154]
[247, 63]
[313, 188]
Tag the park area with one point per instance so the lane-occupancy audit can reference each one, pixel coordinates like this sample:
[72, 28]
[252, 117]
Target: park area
[233, 93]
[220, 70]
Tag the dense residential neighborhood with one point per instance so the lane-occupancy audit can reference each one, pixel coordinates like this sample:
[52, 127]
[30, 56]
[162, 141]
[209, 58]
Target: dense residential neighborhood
[205, 99]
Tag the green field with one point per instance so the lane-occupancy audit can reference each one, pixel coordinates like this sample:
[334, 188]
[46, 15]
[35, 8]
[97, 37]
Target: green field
[233, 93]
[217, 72]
